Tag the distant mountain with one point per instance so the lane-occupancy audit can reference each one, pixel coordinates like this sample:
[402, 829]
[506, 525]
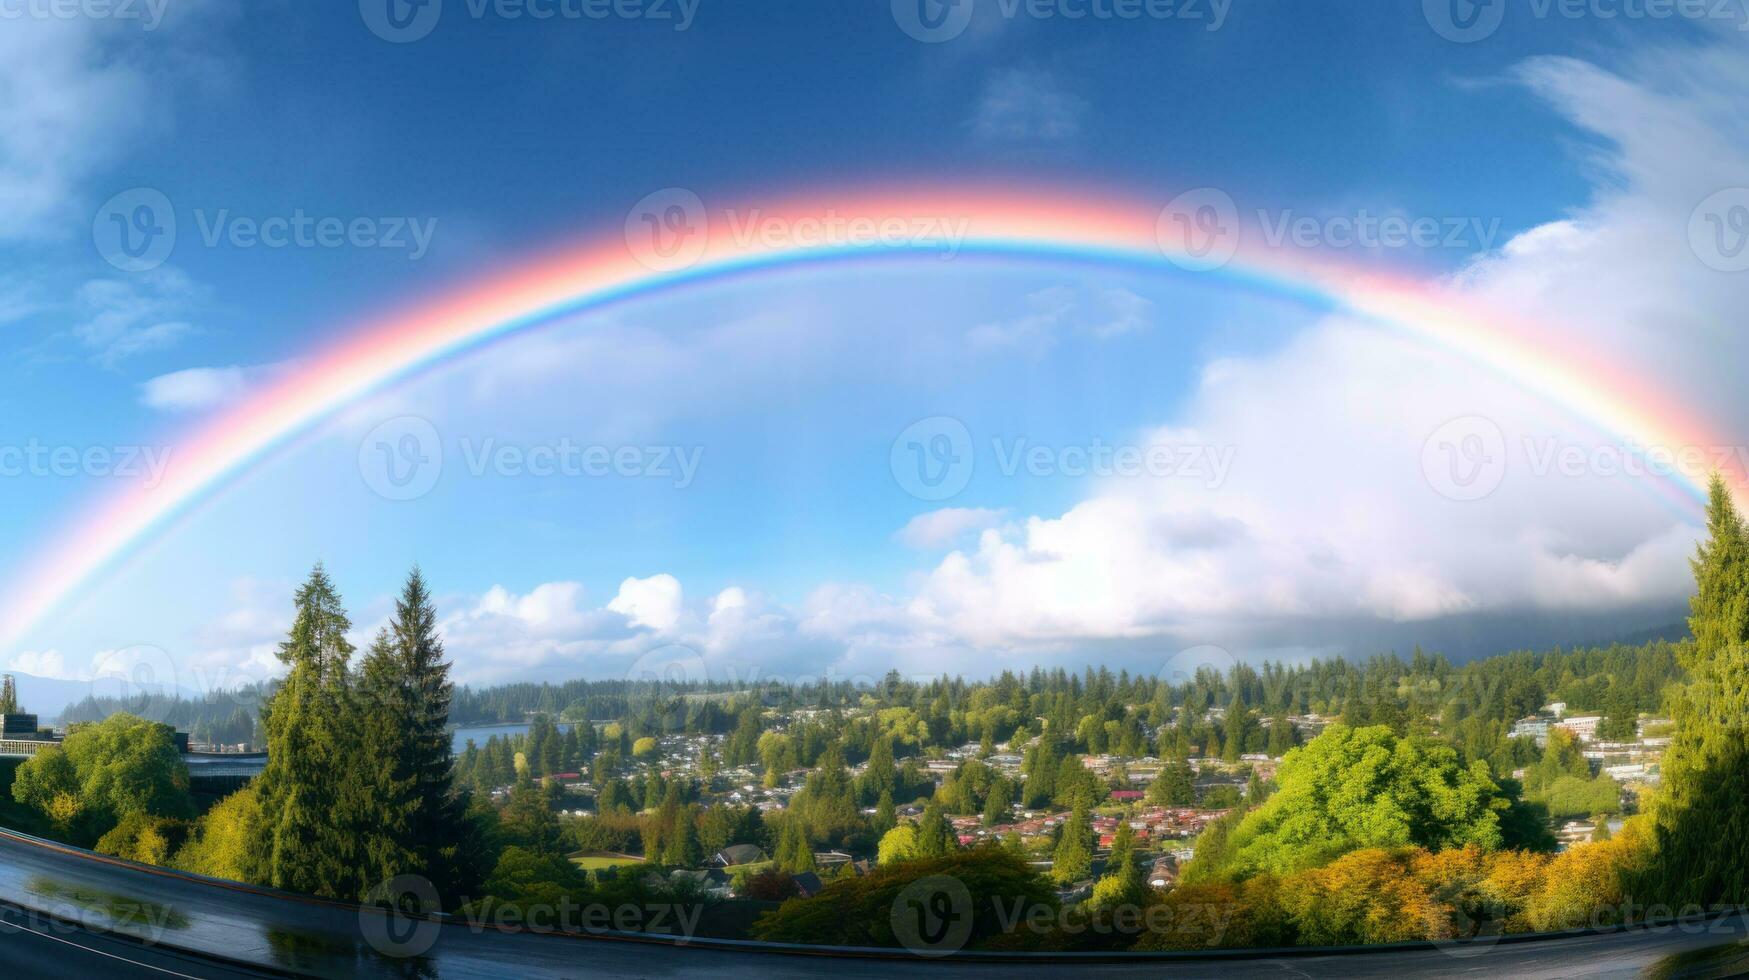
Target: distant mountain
[47, 697]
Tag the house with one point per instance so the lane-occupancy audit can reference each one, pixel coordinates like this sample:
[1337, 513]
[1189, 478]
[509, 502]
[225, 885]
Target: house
[736, 854]
[1582, 727]
[808, 884]
[1125, 795]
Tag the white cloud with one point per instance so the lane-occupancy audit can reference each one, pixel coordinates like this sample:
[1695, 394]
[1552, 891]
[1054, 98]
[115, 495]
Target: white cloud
[652, 602]
[1101, 313]
[125, 318]
[72, 100]
[75, 94]
[939, 528]
[40, 663]
[1023, 105]
[195, 389]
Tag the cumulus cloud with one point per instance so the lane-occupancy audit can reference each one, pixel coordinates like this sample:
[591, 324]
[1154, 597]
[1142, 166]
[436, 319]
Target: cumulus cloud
[652, 602]
[40, 663]
[939, 528]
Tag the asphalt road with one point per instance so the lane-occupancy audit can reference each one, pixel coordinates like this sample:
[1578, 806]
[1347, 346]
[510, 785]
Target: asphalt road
[92, 917]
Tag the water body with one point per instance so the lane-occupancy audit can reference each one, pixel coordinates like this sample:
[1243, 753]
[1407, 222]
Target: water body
[479, 733]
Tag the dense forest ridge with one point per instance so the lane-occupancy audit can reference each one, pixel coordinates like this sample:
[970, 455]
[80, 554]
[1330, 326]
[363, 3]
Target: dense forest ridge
[1618, 681]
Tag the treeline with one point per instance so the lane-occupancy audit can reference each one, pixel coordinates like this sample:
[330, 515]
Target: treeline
[228, 717]
[1477, 702]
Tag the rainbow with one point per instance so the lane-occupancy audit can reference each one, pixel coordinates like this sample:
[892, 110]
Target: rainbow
[1041, 222]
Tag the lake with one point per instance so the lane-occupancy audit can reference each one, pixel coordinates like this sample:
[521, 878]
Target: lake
[479, 733]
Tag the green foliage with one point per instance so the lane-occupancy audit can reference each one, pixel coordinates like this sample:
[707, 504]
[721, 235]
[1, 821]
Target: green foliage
[1174, 786]
[1354, 788]
[526, 877]
[795, 854]
[309, 752]
[861, 911]
[898, 844]
[1703, 820]
[935, 836]
[357, 788]
[226, 842]
[103, 773]
[1073, 858]
[145, 838]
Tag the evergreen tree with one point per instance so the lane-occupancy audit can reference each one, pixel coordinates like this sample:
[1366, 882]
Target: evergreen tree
[885, 817]
[879, 776]
[681, 847]
[794, 852]
[1175, 785]
[1073, 859]
[308, 755]
[1703, 820]
[378, 800]
[996, 802]
[935, 836]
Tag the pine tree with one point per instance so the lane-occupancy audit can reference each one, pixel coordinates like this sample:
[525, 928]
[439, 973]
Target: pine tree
[1703, 820]
[307, 732]
[996, 803]
[378, 802]
[885, 816]
[934, 834]
[794, 852]
[879, 776]
[1073, 859]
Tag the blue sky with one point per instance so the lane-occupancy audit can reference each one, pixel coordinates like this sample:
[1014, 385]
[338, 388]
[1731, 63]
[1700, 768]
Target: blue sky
[1566, 137]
